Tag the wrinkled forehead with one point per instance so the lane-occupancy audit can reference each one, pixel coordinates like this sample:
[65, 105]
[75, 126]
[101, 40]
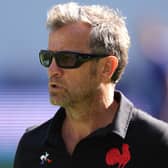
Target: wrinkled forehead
[75, 36]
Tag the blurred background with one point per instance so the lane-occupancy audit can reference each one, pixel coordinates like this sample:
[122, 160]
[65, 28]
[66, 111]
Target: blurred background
[23, 82]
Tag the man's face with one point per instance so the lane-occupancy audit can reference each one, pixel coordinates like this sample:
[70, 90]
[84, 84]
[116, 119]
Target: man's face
[71, 86]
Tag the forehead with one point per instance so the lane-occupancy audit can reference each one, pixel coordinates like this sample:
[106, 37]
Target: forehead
[73, 37]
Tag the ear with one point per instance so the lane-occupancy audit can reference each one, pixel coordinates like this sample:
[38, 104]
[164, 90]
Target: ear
[109, 66]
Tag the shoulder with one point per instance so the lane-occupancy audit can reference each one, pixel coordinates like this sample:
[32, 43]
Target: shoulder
[37, 134]
[30, 142]
[142, 125]
[149, 127]
[31, 128]
[34, 135]
[148, 137]
[38, 127]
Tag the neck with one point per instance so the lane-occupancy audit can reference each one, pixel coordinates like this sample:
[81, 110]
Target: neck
[84, 118]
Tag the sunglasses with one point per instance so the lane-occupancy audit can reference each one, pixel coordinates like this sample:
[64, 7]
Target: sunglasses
[66, 59]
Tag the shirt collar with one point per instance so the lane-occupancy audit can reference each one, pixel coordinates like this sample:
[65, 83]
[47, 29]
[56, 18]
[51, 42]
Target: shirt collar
[54, 130]
[119, 126]
[123, 115]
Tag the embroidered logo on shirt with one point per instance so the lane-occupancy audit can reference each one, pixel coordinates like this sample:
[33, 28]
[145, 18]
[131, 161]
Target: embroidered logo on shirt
[114, 156]
[44, 159]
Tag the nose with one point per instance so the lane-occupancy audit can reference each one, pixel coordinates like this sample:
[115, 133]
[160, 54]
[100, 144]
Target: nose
[53, 69]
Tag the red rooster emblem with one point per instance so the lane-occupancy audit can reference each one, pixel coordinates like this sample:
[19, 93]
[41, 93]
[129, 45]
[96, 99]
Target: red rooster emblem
[114, 156]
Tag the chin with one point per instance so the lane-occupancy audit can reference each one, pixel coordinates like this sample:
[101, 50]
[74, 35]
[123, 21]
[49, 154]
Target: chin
[53, 101]
[56, 102]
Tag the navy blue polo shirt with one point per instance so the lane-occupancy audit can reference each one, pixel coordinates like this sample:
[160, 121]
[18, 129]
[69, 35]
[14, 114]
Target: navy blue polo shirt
[134, 140]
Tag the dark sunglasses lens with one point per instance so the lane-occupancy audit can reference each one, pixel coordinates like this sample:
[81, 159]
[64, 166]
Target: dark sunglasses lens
[45, 58]
[66, 60]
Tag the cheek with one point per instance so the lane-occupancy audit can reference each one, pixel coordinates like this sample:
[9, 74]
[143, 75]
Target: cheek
[82, 80]
[77, 83]
[85, 82]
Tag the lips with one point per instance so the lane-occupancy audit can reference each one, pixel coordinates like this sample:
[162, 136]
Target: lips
[54, 84]
[54, 87]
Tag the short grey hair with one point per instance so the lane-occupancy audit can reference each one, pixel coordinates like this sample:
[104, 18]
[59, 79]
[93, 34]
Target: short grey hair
[109, 34]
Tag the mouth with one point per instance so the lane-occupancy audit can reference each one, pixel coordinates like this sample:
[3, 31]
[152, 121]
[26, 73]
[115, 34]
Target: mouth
[53, 86]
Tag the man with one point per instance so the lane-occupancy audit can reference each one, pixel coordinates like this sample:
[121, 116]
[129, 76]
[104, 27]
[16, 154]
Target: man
[96, 126]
